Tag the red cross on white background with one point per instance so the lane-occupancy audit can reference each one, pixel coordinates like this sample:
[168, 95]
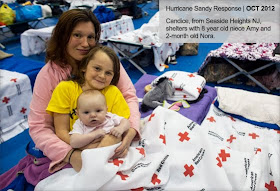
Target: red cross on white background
[223, 155]
[123, 176]
[189, 170]
[184, 136]
[253, 135]
[270, 186]
[231, 139]
[155, 179]
[6, 100]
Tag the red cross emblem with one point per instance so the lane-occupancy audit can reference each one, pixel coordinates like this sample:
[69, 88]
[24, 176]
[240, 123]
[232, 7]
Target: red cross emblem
[258, 150]
[14, 80]
[155, 179]
[171, 79]
[138, 189]
[184, 136]
[211, 119]
[23, 110]
[277, 131]
[253, 135]
[270, 186]
[223, 155]
[116, 162]
[140, 39]
[141, 151]
[163, 139]
[123, 176]
[152, 43]
[151, 116]
[231, 139]
[232, 118]
[219, 162]
[178, 89]
[199, 90]
[6, 100]
[189, 170]
[191, 75]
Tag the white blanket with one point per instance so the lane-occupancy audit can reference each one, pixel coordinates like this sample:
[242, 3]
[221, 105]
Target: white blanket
[15, 95]
[254, 106]
[175, 153]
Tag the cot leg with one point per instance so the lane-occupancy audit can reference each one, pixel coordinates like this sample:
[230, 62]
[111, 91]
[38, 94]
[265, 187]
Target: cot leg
[248, 74]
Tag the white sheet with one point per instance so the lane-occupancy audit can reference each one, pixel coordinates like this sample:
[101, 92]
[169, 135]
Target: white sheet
[221, 154]
[15, 98]
[254, 106]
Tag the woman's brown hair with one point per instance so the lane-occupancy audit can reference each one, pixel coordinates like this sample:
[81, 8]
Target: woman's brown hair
[56, 49]
[80, 78]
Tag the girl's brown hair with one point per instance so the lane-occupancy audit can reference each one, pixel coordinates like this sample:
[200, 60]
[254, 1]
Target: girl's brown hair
[80, 78]
[56, 49]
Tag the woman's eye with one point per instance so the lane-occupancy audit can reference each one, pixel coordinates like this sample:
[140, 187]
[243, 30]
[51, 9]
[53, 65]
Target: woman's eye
[76, 35]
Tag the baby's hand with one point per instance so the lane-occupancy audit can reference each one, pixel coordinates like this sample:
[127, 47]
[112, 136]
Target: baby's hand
[99, 133]
[117, 131]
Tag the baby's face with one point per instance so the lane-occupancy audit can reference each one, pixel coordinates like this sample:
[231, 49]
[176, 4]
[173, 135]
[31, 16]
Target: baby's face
[92, 112]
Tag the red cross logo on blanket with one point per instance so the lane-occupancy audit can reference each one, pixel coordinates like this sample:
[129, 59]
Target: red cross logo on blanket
[184, 136]
[232, 118]
[219, 162]
[223, 155]
[211, 119]
[191, 75]
[258, 150]
[141, 151]
[14, 80]
[199, 90]
[138, 189]
[155, 179]
[23, 110]
[6, 100]
[123, 176]
[231, 139]
[116, 162]
[189, 170]
[163, 139]
[253, 135]
[270, 186]
[151, 116]
[277, 131]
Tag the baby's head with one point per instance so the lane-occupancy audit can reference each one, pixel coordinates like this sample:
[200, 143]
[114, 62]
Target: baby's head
[91, 107]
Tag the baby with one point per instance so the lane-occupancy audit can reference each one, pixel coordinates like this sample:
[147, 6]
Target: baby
[94, 120]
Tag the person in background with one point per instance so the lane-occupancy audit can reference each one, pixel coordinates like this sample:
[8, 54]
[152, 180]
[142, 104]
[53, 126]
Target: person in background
[75, 34]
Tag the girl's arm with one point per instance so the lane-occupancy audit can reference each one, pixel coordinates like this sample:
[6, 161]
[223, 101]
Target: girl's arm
[61, 126]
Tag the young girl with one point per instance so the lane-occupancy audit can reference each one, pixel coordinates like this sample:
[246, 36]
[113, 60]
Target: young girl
[94, 120]
[99, 70]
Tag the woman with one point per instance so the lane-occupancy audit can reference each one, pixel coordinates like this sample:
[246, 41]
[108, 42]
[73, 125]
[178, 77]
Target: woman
[76, 32]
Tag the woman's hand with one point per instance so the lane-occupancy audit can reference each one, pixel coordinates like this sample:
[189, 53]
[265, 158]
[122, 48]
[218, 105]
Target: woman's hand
[122, 150]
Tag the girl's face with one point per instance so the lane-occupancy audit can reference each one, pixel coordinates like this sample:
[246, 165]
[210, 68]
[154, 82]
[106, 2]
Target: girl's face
[99, 72]
[82, 39]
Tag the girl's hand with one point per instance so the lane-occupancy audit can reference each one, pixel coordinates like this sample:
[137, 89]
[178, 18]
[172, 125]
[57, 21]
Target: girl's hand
[122, 150]
[75, 160]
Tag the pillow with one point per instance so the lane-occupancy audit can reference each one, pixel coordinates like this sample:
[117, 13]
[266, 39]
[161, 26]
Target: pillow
[188, 86]
[256, 108]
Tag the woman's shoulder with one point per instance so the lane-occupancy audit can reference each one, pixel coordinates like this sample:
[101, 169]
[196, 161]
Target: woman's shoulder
[53, 71]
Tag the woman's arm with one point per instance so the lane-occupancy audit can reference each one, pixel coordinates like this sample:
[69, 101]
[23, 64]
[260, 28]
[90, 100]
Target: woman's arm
[41, 128]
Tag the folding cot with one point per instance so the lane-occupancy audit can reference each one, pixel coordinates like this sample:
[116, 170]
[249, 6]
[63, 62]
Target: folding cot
[33, 41]
[131, 44]
[254, 60]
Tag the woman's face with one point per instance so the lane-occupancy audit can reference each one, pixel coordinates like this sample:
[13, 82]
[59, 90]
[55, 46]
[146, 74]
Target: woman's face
[82, 39]
[99, 72]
